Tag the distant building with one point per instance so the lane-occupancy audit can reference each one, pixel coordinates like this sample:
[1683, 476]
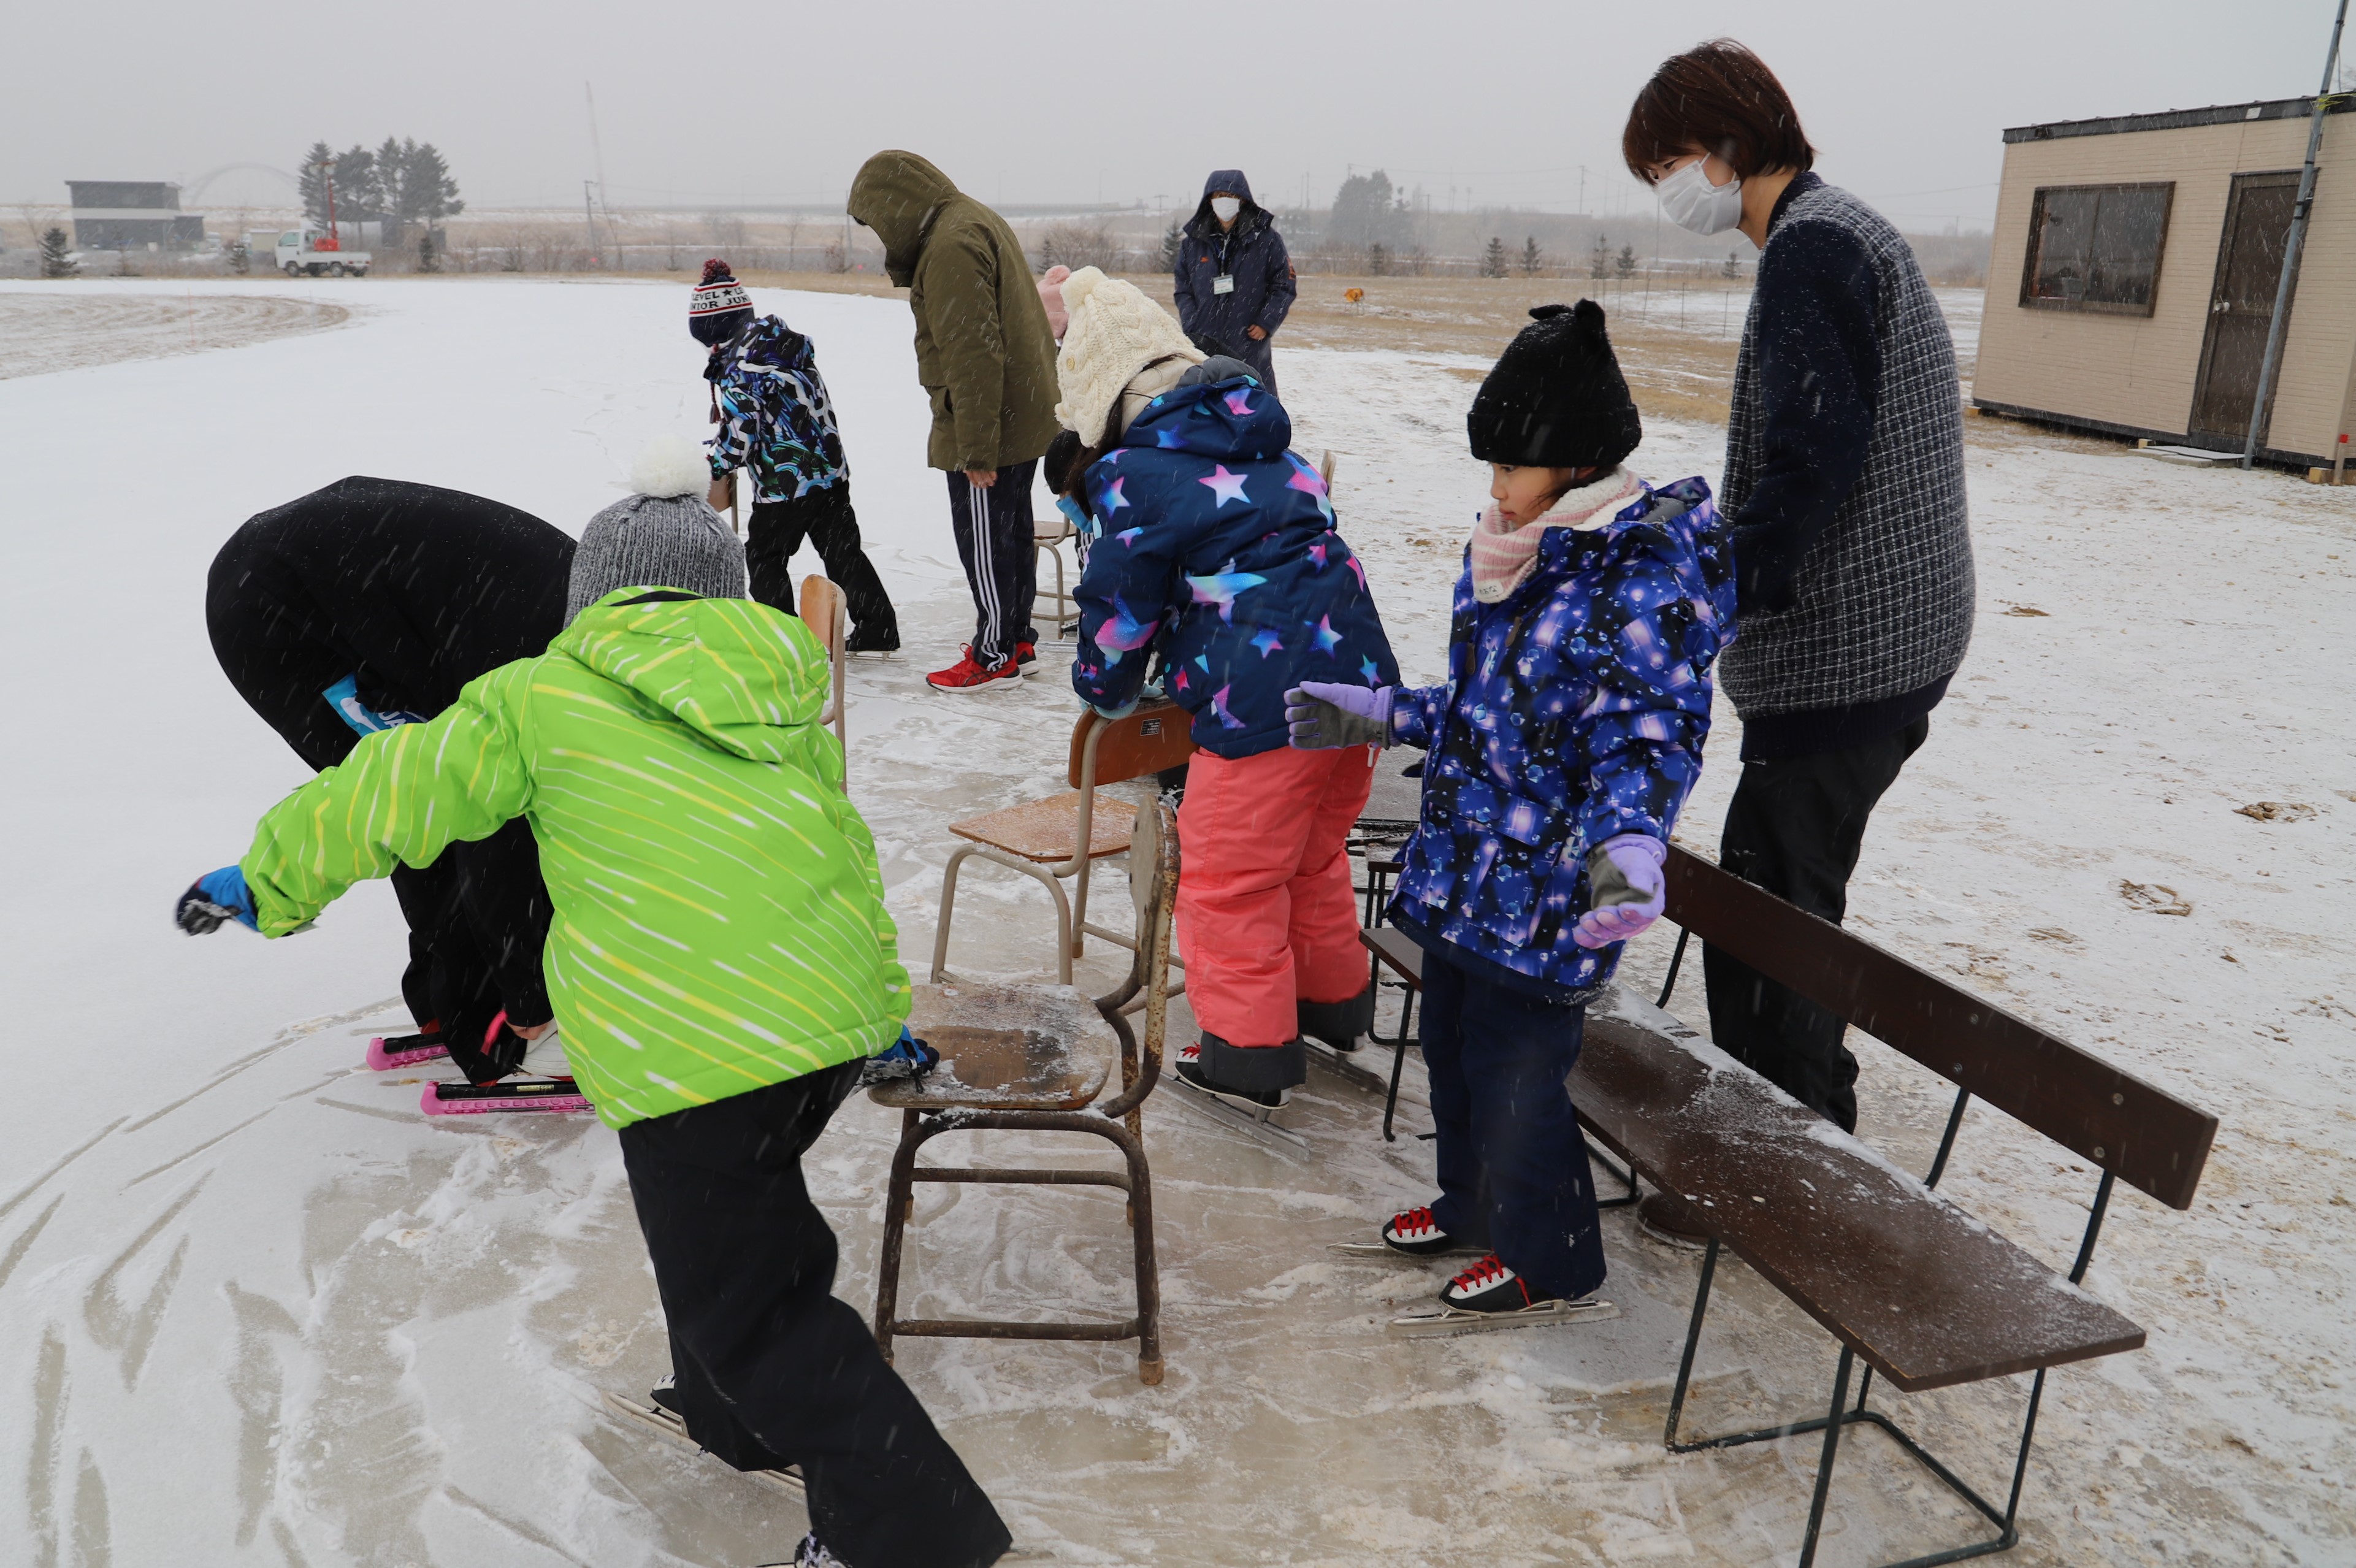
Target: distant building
[2133, 270]
[132, 214]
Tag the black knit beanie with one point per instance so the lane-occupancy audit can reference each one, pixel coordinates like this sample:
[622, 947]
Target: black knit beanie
[718, 307]
[1555, 398]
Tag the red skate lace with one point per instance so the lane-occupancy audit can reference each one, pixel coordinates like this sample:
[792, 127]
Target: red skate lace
[1410, 1221]
[1485, 1273]
[1193, 1053]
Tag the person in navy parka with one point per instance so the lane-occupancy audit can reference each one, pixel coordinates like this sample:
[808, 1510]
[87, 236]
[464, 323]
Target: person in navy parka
[1215, 559]
[1234, 284]
[1569, 734]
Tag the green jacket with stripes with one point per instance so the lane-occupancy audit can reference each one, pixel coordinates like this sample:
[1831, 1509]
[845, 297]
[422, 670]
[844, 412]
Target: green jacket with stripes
[719, 912]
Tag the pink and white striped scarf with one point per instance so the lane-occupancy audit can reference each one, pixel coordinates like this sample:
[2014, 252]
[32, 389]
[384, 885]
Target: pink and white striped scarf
[1503, 554]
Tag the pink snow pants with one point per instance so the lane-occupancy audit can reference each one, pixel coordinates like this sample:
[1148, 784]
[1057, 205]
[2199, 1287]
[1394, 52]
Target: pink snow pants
[1266, 917]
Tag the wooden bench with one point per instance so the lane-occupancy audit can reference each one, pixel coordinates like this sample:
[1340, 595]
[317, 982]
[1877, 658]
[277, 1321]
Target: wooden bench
[1926, 1295]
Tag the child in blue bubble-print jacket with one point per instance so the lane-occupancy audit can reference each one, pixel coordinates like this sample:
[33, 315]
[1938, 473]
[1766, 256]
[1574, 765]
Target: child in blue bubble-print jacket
[1567, 737]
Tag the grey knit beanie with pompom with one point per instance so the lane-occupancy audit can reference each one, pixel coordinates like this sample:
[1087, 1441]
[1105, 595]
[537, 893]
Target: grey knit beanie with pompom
[662, 537]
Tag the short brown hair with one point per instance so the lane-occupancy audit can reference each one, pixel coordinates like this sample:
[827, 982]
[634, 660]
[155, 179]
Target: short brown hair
[1720, 98]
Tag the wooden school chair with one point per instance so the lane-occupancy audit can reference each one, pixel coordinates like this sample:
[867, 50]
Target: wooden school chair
[1035, 1059]
[1061, 836]
[827, 613]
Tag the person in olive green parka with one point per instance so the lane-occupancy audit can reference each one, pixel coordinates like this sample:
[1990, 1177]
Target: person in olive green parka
[987, 359]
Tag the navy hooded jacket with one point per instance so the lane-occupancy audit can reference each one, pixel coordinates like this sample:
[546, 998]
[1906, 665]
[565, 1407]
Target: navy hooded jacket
[1217, 553]
[1252, 253]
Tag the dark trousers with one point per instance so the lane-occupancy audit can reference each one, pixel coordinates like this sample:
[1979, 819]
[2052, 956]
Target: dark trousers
[776, 530]
[1795, 827]
[1513, 1165]
[772, 1369]
[995, 541]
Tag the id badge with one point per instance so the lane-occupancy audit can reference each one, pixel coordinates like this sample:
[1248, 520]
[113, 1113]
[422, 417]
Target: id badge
[1224, 284]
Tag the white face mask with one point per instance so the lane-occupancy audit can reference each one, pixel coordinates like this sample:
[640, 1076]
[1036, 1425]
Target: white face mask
[1224, 208]
[1691, 202]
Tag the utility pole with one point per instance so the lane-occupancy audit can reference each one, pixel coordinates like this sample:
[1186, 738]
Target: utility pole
[597, 152]
[589, 215]
[2324, 99]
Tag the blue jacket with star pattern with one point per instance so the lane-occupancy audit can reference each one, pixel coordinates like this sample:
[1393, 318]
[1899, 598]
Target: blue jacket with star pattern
[1574, 712]
[1217, 558]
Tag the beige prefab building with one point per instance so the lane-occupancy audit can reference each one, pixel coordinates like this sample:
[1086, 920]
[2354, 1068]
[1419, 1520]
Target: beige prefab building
[2133, 272]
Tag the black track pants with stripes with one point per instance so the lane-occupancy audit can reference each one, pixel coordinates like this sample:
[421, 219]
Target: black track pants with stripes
[993, 540]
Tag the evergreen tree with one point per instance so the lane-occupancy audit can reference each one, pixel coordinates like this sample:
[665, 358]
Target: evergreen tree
[1733, 267]
[1598, 260]
[240, 257]
[57, 258]
[1626, 263]
[1365, 212]
[1493, 259]
[1378, 261]
[429, 254]
[428, 193]
[313, 185]
[1532, 257]
[1171, 239]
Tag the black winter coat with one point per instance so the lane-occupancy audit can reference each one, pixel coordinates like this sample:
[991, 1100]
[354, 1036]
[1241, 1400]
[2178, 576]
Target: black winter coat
[416, 591]
[1253, 253]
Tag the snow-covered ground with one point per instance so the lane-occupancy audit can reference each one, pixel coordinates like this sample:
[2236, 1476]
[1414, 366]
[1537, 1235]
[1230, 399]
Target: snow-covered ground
[258, 1310]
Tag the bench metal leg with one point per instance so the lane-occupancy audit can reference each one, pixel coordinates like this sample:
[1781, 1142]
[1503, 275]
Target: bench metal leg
[1626, 1178]
[1399, 1045]
[1840, 1415]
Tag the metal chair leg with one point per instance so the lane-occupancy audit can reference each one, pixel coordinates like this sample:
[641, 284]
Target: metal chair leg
[1148, 1275]
[897, 1195]
[1064, 925]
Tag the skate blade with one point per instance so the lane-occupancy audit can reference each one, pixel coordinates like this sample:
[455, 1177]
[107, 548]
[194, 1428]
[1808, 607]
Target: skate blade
[1250, 1122]
[544, 1096]
[1384, 1250]
[1449, 1322]
[668, 1428]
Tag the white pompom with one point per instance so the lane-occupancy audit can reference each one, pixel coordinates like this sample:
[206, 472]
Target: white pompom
[1079, 286]
[670, 465]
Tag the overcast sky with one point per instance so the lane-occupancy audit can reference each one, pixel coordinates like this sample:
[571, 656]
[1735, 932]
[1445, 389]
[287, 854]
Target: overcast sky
[1478, 102]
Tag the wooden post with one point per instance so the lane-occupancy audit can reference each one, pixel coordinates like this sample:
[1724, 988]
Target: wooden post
[2339, 456]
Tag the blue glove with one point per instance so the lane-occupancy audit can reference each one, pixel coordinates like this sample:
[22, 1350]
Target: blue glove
[905, 1057]
[344, 696]
[213, 900]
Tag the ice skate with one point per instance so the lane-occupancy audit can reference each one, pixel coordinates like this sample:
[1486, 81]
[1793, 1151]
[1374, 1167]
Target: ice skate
[665, 1424]
[1412, 1233]
[542, 1095]
[1342, 1025]
[387, 1052]
[1489, 1297]
[1247, 1109]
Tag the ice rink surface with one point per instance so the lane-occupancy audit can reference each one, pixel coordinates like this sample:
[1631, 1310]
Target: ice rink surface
[257, 1309]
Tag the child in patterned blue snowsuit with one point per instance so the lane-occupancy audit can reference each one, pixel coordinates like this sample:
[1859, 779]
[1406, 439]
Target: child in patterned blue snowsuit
[1567, 735]
[1218, 561]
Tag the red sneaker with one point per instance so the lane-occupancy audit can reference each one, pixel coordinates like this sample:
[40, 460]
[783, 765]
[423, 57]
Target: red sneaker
[966, 675]
[1026, 654]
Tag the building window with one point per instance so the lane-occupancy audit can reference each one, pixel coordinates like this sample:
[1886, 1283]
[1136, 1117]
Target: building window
[2096, 247]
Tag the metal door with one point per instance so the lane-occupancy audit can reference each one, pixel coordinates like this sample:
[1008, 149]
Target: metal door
[2242, 303]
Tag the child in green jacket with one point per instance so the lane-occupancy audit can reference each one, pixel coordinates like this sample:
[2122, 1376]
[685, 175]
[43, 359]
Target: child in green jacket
[720, 961]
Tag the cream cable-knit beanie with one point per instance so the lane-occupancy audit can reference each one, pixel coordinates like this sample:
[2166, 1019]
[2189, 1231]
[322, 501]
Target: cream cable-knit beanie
[1115, 332]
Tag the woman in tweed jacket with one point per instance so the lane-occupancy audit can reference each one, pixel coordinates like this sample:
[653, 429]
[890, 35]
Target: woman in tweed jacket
[1844, 492]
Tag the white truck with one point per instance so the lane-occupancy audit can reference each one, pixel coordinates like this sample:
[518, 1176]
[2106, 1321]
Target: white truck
[309, 251]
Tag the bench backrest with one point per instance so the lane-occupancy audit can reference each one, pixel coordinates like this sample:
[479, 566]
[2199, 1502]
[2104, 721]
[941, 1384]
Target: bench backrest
[2143, 1135]
[1157, 736]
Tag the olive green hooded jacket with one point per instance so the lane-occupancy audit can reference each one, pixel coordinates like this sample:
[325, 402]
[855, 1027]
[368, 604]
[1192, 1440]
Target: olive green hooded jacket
[983, 350]
[719, 913]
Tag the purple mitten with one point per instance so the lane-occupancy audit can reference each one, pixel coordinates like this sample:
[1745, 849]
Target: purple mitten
[1624, 889]
[1324, 714]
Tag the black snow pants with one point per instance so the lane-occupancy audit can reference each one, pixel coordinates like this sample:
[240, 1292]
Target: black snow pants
[1795, 827]
[772, 1369]
[824, 517]
[994, 540]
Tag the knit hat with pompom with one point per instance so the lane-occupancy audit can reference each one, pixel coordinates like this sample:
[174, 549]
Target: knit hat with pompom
[718, 307]
[662, 537]
[1114, 332]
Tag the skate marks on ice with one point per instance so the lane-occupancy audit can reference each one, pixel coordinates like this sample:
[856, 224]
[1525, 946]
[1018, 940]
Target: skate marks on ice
[41, 333]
